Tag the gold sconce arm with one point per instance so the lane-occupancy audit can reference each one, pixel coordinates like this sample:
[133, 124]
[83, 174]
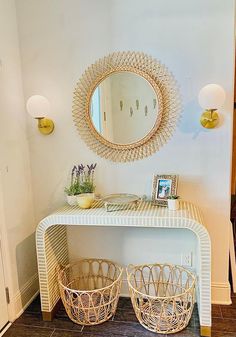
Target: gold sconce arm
[210, 118]
[45, 125]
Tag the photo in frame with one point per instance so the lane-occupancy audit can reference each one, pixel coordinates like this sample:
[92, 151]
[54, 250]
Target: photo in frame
[163, 186]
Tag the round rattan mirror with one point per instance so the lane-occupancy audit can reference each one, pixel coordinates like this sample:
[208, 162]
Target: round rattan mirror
[126, 106]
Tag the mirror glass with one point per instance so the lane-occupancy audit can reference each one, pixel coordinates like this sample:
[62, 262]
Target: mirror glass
[124, 108]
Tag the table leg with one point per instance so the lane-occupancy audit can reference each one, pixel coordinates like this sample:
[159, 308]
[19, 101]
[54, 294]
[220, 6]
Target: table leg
[203, 284]
[205, 331]
[49, 315]
[52, 252]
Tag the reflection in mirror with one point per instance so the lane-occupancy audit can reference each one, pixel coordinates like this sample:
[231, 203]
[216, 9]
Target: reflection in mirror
[124, 108]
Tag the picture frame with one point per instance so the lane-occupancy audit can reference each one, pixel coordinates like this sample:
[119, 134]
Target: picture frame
[163, 186]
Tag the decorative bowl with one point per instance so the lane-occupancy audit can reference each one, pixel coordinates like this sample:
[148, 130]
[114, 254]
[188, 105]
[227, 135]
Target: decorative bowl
[120, 201]
[71, 200]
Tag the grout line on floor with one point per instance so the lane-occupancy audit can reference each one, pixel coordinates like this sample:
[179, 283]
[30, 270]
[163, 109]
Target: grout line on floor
[32, 326]
[52, 333]
[223, 332]
[62, 329]
[46, 327]
[126, 322]
[221, 312]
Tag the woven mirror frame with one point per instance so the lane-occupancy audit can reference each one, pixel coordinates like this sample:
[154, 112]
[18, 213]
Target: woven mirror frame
[168, 96]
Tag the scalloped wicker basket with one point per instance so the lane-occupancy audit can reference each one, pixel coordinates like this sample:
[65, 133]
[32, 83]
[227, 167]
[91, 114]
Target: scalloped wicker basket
[162, 296]
[90, 290]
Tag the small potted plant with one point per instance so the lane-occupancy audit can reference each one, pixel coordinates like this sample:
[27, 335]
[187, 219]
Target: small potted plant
[173, 202]
[82, 185]
[86, 185]
[73, 190]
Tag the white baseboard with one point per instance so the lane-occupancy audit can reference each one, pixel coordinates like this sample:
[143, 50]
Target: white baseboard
[25, 295]
[5, 329]
[221, 293]
[124, 292]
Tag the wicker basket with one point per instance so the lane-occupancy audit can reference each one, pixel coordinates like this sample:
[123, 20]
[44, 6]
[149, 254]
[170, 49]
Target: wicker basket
[162, 296]
[90, 290]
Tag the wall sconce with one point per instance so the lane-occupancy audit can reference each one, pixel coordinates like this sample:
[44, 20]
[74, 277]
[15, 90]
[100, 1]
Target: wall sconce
[38, 107]
[211, 97]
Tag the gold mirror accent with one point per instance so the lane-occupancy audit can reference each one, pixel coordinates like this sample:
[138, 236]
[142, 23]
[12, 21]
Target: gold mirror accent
[167, 101]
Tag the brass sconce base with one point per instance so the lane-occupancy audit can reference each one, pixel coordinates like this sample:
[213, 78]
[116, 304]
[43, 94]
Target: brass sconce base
[45, 125]
[209, 119]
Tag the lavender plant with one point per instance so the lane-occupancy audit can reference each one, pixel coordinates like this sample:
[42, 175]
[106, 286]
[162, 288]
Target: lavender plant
[74, 186]
[82, 180]
[86, 178]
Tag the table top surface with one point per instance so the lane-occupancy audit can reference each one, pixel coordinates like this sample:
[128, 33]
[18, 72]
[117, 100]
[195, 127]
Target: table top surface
[144, 210]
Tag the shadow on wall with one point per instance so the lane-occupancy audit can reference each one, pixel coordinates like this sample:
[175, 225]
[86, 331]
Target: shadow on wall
[27, 273]
[190, 120]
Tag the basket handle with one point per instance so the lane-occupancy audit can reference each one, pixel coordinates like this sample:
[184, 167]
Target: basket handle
[59, 268]
[129, 268]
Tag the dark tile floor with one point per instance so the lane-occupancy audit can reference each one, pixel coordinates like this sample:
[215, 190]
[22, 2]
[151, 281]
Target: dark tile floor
[124, 324]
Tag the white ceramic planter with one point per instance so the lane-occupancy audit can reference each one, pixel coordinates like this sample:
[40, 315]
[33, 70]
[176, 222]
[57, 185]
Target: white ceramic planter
[71, 200]
[173, 204]
[85, 200]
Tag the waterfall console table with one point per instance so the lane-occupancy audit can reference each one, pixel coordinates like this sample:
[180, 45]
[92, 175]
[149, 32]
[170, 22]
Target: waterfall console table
[51, 241]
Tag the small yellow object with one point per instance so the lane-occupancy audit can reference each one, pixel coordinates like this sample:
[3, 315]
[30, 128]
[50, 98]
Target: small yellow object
[209, 119]
[45, 125]
[85, 200]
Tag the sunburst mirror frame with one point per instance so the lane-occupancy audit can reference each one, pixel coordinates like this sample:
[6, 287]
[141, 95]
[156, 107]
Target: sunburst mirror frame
[168, 97]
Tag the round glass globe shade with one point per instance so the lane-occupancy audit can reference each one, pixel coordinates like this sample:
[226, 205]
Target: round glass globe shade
[212, 96]
[38, 106]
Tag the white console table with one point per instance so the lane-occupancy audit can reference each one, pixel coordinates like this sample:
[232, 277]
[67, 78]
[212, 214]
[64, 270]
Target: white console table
[51, 241]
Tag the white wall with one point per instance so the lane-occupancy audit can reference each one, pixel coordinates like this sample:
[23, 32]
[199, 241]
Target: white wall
[17, 223]
[195, 39]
